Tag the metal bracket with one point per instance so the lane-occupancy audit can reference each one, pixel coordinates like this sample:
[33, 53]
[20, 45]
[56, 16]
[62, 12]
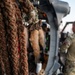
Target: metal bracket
[55, 15]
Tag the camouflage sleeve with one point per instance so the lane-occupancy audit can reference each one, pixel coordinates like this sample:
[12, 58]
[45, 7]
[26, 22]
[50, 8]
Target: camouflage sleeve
[66, 44]
[33, 16]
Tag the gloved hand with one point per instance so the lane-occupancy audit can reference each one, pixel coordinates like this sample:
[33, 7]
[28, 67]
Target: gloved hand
[62, 58]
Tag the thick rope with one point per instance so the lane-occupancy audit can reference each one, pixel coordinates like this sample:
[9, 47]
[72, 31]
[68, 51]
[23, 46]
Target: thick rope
[23, 42]
[26, 6]
[2, 68]
[12, 34]
[3, 46]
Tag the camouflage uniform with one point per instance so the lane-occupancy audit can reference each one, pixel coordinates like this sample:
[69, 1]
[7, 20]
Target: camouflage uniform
[69, 45]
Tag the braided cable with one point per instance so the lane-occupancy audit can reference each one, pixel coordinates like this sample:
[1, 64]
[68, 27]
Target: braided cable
[23, 41]
[3, 46]
[12, 33]
[26, 6]
[2, 68]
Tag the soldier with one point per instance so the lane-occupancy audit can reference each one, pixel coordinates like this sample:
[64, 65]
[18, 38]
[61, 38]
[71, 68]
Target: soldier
[69, 45]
